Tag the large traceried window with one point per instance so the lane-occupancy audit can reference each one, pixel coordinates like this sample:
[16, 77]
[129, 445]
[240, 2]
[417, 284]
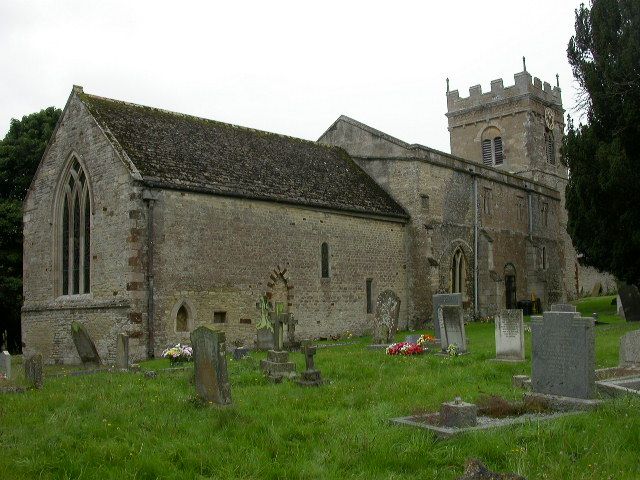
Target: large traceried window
[75, 232]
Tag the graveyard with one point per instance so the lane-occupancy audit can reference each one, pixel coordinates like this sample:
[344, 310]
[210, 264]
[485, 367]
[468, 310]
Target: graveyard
[131, 424]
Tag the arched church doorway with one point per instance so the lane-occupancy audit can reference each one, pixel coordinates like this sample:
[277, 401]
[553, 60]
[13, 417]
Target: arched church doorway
[510, 285]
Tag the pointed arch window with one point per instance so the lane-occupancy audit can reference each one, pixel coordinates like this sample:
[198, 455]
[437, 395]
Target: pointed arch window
[75, 232]
[458, 270]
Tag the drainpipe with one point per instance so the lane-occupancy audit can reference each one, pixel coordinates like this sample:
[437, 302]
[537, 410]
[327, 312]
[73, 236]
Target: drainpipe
[529, 200]
[475, 240]
[150, 198]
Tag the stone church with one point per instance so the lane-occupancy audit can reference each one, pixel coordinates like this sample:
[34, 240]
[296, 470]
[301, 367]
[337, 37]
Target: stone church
[151, 223]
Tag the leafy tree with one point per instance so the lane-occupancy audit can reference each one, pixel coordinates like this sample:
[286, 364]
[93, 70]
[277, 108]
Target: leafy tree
[20, 153]
[603, 193]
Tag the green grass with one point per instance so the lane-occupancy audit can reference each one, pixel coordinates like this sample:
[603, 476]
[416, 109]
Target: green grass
[126, 426]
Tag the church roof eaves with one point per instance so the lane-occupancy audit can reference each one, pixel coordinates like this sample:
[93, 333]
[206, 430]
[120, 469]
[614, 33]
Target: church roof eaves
[178, 151]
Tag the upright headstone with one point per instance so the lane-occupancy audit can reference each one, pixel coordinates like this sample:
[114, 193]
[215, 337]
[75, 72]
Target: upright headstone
[596, 291]
[630, 349]
[619, 309]
[563, 307]
[210, 364]
[630, 299]
[33, 370]
[563, 354]
[452, 328]
[84, 345]
[264, 339]
[509, 335]
[122, 351]
[385, 322]
[438, 301]
[5, 364]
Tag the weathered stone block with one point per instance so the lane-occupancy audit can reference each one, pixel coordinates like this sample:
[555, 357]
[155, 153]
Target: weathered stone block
[210, 364]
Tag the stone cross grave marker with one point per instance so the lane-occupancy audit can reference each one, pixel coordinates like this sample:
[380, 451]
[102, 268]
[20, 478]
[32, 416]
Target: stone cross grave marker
[509, 335]
[438, 301]
[452, 327]
[310, 377]
[630, 349]
[84, 345]
[33, 370]
[122, 351]
[563, 354]
[279, 320]
[309, 353]
[210, 364]
[385, 321]
[5, 364]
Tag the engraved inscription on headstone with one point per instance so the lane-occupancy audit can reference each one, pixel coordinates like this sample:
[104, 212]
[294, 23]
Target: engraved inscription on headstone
[563, 355]
[210, 365]
[438, 301]
[385, 321]
[509, 333]
[452, 328]
[630, 349]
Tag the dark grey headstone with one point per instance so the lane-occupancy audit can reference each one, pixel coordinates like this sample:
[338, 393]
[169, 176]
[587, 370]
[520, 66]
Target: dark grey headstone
[438, 301]
[5, 364]
[509, 335]
[122, 351]
[210, 364]
[563, 355]
[630, 300]
[385, 321]
[452, 327]
[240, 352]
[630, 349]
[412, 338]
[33, 370]
[264, 339]
[84, 345]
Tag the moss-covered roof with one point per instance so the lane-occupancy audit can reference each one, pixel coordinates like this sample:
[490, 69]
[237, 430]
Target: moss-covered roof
[171, 150]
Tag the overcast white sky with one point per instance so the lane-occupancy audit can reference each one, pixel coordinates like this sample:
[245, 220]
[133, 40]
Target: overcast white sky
[290, 67]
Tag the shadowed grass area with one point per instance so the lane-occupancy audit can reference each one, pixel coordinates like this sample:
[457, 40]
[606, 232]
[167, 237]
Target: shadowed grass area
[125, 426]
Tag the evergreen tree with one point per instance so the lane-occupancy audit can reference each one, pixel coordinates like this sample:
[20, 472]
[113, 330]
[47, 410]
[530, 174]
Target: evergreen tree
[603, 156]
[20, 153]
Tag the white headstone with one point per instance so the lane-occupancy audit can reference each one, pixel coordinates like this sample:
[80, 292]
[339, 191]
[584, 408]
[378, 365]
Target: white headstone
[509, 335]
[5, 364]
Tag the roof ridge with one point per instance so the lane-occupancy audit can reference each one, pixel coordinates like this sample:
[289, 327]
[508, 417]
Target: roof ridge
[195, 117]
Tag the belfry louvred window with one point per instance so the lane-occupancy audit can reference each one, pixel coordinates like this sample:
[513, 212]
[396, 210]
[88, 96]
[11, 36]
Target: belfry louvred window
[75, 232]
[492, 150]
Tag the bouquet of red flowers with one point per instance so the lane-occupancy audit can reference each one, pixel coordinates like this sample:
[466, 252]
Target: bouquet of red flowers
[404, 348]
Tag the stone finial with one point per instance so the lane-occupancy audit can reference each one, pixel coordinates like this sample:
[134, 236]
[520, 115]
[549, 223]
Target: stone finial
[447, 84]
[557, 80]
[524, 64]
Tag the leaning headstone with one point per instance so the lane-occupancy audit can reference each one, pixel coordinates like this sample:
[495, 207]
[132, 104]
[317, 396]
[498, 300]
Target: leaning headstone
[385, 322]
[630, 349]
[563, 355]
[311, 376]
[5, 364]
[596, 291]
[438, 301]
[33, 370]
[84, 345]
[122, 351]
[452, 328]
[509, 336]
[619, 309]
[210, 365]
[630, 300]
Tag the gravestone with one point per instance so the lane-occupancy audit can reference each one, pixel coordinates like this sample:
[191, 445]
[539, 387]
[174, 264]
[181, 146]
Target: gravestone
[509, 335]
[240, 352]
[385, 321]
[596, 291]
[84, 345]
[33, 370]
[291, 321]
[277, 366]
[278, 321]
[210, 365]
[264, 339]
[5, 364]
[122, 351]
[310, 377]
[563, 307]
[619, 309]
[452, 328]
[438, 301]
[630, 300]
[458, 414]
[563, 354]
[412, 338]
[630, 349]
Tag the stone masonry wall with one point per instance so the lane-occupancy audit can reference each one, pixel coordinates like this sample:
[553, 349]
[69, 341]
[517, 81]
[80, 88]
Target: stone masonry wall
[217, 254]
[116, 245]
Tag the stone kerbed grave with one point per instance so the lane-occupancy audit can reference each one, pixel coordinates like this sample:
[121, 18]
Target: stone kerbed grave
[509, 335]
[452, 328]
[615, 387]
[437, 302]
[210, 365]
[459, 417]
[84, 345]
[563, 359]
[311, 377]
[385, 321]
[277, 366]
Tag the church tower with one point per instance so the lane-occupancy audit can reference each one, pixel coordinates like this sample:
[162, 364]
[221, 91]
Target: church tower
[518, 128]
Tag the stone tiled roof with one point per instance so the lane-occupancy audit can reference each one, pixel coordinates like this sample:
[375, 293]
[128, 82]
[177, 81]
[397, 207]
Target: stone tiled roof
[176, 151]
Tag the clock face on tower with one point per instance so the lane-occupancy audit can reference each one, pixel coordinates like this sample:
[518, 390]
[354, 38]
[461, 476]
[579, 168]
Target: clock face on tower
[549, 118]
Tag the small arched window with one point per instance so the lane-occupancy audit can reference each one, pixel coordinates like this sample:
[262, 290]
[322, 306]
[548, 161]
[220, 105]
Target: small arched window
[492, 151]
[182, 319]
[324, 259]
[458, 270]
[75, 232]
[550, 146]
